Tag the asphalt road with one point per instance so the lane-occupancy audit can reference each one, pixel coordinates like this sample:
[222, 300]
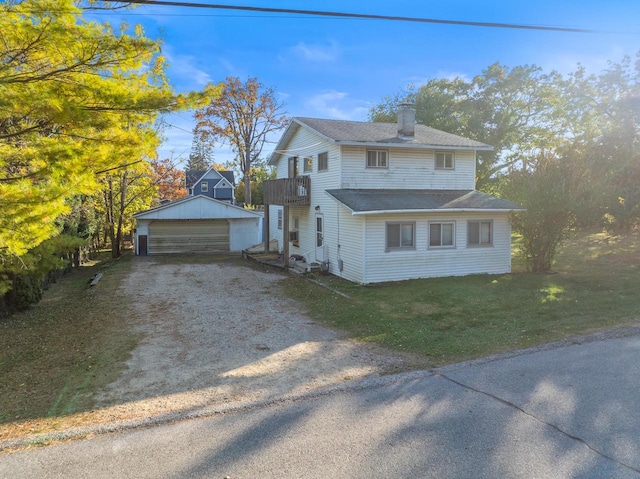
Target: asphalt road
[565, 412]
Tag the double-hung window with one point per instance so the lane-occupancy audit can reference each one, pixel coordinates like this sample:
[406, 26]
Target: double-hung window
[377, 159]
[400, 236]
[480, 233]
[307, 166]
[323, 161]
[445, 160]
[442, 234]
[204, 186]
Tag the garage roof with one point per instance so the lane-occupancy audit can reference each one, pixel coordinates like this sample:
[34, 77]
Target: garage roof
[196, 208]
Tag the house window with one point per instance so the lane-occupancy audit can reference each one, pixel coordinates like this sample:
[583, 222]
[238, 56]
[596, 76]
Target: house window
[204, 186]
[323, 161]
[377, 159]
[293, 167]
[279, 219]
[445, 160]
[442, 234]
[480, 233]
[308, 164]
[294, 234]
[400, 236]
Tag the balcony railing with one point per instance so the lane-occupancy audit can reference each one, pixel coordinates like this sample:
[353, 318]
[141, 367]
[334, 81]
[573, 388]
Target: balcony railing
[287, 191]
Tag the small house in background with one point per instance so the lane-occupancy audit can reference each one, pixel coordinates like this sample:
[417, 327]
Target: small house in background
[373, 202]
[211, 183]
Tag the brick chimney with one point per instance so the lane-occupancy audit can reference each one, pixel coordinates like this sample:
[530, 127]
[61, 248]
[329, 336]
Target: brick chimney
[406, 121]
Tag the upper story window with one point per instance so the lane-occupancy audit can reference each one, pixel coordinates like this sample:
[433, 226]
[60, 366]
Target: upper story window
[445, 160]
[293, 167]
[442, 234]
[323, 161]
[204, 186]
[307, 165]
[400, 236]
[480, 233]
[377, 159]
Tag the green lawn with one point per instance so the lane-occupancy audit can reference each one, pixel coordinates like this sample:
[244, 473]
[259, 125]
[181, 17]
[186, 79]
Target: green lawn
[53, 356]
[594, 288]
[72, 343]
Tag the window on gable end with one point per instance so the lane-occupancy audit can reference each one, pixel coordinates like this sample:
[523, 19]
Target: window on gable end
[377, 159]
[204, 186]
[445, 160]
[323, 161]
[307, 165]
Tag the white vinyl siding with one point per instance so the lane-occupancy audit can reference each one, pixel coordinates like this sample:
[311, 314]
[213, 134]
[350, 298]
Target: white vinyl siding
[425, 262]
[408, 168]
[327, 179]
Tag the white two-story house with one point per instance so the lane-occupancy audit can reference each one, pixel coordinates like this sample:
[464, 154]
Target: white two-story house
[377, 202]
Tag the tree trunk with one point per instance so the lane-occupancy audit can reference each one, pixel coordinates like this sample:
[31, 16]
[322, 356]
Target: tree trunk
[121, 207]
[247, 178]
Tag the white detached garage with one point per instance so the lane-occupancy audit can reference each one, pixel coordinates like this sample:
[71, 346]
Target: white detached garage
[196, 224]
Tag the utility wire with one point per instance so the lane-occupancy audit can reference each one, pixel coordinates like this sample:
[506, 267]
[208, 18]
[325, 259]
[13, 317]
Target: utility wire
[357, 16]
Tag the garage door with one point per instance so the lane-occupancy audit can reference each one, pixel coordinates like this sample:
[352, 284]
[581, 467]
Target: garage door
[195, 236]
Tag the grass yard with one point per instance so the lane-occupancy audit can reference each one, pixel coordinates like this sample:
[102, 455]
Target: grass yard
[594, 288]
[55, 354]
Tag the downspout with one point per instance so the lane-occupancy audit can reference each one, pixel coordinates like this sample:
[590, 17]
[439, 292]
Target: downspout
[364, 250]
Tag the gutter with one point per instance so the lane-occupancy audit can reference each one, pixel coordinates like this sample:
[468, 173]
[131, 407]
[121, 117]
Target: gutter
[443, 210]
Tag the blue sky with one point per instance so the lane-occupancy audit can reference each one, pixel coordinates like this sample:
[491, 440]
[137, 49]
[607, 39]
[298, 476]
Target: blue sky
[339, 68]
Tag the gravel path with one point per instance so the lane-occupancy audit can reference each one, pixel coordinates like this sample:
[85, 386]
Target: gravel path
[223, 332]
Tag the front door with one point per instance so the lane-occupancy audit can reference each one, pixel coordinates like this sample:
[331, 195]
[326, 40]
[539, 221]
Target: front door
[320, 238]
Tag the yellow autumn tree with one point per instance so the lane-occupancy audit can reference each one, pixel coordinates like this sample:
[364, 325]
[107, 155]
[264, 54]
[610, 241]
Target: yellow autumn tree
[78, 99]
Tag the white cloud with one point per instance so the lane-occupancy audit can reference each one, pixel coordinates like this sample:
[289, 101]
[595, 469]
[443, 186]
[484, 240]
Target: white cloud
[336, 105]
[450, 75]
[314, 52]
[184, 68]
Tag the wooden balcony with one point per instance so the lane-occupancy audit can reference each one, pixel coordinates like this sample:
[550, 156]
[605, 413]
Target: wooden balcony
[287, 191]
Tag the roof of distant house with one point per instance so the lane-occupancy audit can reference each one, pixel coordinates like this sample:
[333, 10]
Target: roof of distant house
[191, 177]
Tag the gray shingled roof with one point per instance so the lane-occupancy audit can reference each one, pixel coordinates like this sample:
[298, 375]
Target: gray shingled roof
[192, 176]
[374, 200]
[351, 132]
[230, 177]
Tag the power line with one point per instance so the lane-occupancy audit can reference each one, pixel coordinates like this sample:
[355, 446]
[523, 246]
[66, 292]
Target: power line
[364, 16]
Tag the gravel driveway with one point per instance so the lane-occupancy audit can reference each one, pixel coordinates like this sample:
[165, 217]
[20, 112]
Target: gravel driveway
[221, 330]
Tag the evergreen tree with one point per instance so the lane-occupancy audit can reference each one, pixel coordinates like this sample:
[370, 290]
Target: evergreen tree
[201, 156]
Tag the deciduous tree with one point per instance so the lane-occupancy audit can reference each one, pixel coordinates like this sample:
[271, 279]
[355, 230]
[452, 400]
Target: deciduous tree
[169, 179]
[77, 99]
[243, 116]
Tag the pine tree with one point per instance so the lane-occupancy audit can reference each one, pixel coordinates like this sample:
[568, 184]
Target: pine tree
[201, 157]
